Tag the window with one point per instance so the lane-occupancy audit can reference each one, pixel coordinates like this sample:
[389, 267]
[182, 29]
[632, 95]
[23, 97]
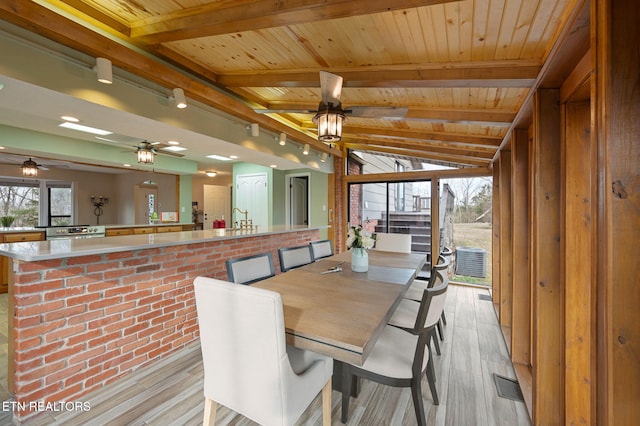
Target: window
[35, 203]
[400, 188]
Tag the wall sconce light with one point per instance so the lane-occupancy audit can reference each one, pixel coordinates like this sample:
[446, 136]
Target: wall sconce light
[145, 153]
[104, 70]
[178, 97]
[305, 149]
[323, 158]
[283, 139]
[98, 202]
[210, 173]
[29, 168]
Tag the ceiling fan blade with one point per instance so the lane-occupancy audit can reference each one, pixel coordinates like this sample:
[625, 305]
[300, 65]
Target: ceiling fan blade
[331, 88]
[377, 112]
[285, 111]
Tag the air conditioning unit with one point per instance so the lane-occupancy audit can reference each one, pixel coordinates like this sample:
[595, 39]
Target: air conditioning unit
[471, 261]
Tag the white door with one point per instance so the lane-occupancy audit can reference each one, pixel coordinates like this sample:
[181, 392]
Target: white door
[217, 203]
[146, 202]
[299, 200]
[252, 195]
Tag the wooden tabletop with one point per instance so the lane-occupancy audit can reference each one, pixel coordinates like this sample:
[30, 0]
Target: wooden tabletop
[341, 314]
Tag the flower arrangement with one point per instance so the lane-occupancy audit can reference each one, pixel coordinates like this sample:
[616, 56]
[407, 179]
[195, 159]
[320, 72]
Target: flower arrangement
[358, 237]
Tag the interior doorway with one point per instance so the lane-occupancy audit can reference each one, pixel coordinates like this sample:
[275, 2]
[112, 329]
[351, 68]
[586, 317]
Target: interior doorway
[297, 199]
[146, 202]
[217, 204]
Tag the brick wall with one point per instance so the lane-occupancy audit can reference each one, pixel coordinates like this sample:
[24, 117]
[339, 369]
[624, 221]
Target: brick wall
[81, 323]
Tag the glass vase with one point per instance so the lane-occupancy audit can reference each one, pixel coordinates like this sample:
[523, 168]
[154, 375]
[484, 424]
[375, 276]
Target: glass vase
[359, 260]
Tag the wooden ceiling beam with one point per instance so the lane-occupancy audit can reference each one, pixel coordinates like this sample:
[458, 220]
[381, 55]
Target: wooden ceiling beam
[249, 15]
[442, 148]
[498, 74]
[428, 155]
[425, 136]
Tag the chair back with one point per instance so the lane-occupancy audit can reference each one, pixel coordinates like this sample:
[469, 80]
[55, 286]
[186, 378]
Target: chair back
[243, 347]
[399, 243]
[432, 303]
[249, 269]
[294, 257]
[320, 249]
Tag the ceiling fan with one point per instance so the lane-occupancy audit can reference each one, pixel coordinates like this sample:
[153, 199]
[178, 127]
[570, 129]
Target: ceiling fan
[330, 114]
[146, 150]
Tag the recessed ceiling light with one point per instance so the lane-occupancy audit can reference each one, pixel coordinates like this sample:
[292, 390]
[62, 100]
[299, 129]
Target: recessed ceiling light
[274, 166]
[126, 165]
[86, 129]
[233, 156]
[173, 142]
[210, 173]
[70, 118]
[1, 147]
[218, 157]
[174, 148]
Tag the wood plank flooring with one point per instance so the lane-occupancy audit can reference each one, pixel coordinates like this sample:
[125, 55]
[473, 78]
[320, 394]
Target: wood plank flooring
[170, 391]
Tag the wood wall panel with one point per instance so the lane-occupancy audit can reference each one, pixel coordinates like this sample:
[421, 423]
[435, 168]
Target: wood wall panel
[548, 294]
[520, 328]
[506, 276]
[495, 238]
[616, 33]
[579, 262]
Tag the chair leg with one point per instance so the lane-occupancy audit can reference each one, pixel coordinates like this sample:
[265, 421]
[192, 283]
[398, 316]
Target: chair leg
[443, 318]
[433, 338]
[326, 404]
[346, 391]
[418, 405]
[440, 331]
[209, 412]
[431, 378]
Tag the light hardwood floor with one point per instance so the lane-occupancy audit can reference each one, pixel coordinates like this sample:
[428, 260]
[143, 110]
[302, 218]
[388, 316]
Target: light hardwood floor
[170, 391]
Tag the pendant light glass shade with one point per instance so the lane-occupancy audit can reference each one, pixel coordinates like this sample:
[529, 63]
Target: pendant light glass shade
[29, 168]
[145, 153]
[329, 121]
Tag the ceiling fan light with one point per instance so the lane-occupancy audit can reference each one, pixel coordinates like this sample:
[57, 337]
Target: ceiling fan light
[329, 123]
[145, 153]
[29, 168]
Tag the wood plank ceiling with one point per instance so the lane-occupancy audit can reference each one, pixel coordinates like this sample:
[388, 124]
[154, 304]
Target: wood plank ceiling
[462, 68]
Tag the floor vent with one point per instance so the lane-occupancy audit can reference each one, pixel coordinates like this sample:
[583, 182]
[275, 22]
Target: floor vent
[485, 297]
[508, 388]
[471, 261]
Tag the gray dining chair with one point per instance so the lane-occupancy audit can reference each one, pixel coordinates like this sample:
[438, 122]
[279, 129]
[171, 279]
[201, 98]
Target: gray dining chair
[400, 357]
[321, 249]
[248, 367]
[294, 257]
[407, 312]
[250, 269]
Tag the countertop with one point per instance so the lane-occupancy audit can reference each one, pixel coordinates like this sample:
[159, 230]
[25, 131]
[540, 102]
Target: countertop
[65, 248]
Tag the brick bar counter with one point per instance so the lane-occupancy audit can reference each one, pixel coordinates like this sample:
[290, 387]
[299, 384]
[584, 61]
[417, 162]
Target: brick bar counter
[86, 312]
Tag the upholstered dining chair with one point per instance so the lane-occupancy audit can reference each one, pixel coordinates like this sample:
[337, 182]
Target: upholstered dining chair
[294, 257]
[250, 269]
[407, 311]
[399, 243]
[321, 249]
[248, 367]
[401, 357]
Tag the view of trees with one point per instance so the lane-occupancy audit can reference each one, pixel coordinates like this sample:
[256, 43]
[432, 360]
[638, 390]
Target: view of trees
[20, 202]
[473, 199]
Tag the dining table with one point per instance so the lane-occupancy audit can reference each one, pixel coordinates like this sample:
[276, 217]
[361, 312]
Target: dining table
[334, 311]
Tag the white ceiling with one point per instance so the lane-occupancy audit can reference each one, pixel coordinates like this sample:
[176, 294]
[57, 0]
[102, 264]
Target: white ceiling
[27, 106]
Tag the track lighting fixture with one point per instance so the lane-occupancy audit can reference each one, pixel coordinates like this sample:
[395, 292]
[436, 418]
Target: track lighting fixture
[323, 158]
[305, 149]
[104, 70]
[283, 139]
[255, 130]
[178, 97]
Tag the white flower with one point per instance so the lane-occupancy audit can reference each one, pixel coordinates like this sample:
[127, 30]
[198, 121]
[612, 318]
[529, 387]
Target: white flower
[358, 237]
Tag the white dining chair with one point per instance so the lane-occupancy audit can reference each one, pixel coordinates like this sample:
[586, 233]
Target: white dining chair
[248, 367]
[399, 243]
[294, 257]
[250, 269]
[321, 249]
[401, 357]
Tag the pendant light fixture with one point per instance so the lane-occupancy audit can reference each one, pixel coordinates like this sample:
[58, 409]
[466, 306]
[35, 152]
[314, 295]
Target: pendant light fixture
[29, 168]
[329, 120]
[145, 153]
